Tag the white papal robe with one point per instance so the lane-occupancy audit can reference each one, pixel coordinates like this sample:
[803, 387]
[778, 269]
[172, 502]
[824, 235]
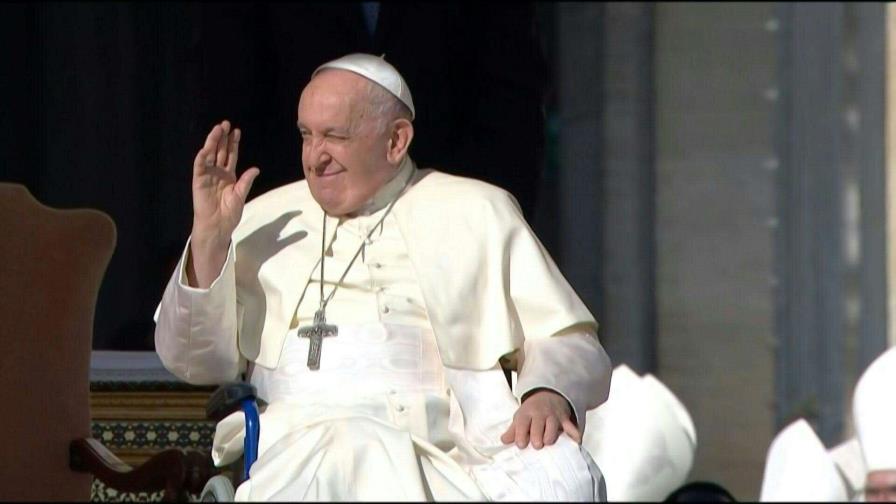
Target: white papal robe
[385, 417]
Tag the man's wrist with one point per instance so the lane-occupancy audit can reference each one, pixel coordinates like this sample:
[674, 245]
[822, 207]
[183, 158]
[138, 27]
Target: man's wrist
[204, 239]
[205, 259]
[529, 393]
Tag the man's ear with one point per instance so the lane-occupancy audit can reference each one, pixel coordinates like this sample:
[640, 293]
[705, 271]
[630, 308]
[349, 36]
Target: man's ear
[399, 140]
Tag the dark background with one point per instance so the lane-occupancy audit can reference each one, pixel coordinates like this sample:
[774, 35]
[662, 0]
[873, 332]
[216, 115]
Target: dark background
[106, 104]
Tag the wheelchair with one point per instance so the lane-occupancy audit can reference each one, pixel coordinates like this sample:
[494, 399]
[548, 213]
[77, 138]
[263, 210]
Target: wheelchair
[225, 400]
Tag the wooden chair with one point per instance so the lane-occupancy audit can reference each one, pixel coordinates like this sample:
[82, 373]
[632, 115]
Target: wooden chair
[51, 265]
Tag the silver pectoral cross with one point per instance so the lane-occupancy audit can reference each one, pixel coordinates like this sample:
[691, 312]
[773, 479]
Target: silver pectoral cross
[315, 334]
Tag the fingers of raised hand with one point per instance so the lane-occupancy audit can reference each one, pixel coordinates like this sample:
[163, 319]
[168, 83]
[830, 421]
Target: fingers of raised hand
[223, 140]
[233, 149]
[221, 149]
[205, 158]
[211, 141]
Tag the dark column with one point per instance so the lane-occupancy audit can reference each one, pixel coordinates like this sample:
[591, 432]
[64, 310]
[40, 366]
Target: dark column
[809, 307]
[627, 177]
[870, 91]
[606, 173]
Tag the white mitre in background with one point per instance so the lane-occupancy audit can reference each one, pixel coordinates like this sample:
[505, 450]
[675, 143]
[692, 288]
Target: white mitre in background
[874, 412]
[799, 468]
[642, 438]
[848, 458]
[376, 69]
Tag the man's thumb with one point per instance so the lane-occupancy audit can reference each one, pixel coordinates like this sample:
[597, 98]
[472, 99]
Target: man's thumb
[244, 184]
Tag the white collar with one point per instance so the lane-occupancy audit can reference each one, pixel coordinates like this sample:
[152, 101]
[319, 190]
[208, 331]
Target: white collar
[390, 189]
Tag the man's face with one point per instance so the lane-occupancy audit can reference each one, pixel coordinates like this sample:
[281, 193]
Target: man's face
[880, 486]
[343, 156]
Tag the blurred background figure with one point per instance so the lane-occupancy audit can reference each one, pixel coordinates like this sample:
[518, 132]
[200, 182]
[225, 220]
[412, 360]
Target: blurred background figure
[848, 458]
[643, 436]
[874, 408]
[863, 468]
[798, 468]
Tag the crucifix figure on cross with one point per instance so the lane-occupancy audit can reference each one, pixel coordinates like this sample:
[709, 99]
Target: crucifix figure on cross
[315, 334]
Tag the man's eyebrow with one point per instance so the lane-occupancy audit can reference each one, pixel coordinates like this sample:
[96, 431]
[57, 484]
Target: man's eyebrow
[331, 129]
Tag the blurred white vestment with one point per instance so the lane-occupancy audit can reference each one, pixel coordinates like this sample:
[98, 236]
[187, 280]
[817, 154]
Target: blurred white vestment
[874, 412]
[799, 468]
[642, 437]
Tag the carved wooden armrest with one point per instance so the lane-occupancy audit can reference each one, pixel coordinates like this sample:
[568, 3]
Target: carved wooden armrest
[178, 472]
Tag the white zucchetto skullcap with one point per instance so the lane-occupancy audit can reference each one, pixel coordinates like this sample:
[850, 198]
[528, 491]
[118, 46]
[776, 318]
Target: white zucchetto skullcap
[874, 412]
[376, 69]
[642, 438]
[799, 468]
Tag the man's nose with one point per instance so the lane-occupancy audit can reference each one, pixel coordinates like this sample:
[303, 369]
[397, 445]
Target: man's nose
[319, 158]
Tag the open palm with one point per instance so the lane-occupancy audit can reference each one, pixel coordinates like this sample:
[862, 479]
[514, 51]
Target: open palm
[218, 195]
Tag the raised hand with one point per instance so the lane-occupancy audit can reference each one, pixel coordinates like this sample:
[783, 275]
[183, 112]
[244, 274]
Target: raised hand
[218, 200]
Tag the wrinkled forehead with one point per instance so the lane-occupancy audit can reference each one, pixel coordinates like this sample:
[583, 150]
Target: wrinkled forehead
[343, 84]
[333, 94]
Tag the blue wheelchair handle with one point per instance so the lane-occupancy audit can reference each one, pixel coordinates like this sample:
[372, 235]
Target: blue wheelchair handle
[253, 429]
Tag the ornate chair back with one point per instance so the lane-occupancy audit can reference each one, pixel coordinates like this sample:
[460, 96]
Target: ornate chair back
[51, 265]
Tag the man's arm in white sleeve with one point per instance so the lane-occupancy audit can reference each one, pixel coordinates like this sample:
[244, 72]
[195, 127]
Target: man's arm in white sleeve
[196, 329]
[572, 363]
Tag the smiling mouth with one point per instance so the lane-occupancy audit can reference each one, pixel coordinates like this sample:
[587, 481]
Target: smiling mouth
[327, 175]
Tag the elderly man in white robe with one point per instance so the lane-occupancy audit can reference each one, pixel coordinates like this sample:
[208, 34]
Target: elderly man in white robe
[372, 305]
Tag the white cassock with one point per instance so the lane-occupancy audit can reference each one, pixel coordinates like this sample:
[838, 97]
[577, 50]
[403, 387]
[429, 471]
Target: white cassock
[395, 412]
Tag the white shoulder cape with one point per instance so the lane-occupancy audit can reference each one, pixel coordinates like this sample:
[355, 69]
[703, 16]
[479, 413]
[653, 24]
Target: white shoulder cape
[487, 282]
